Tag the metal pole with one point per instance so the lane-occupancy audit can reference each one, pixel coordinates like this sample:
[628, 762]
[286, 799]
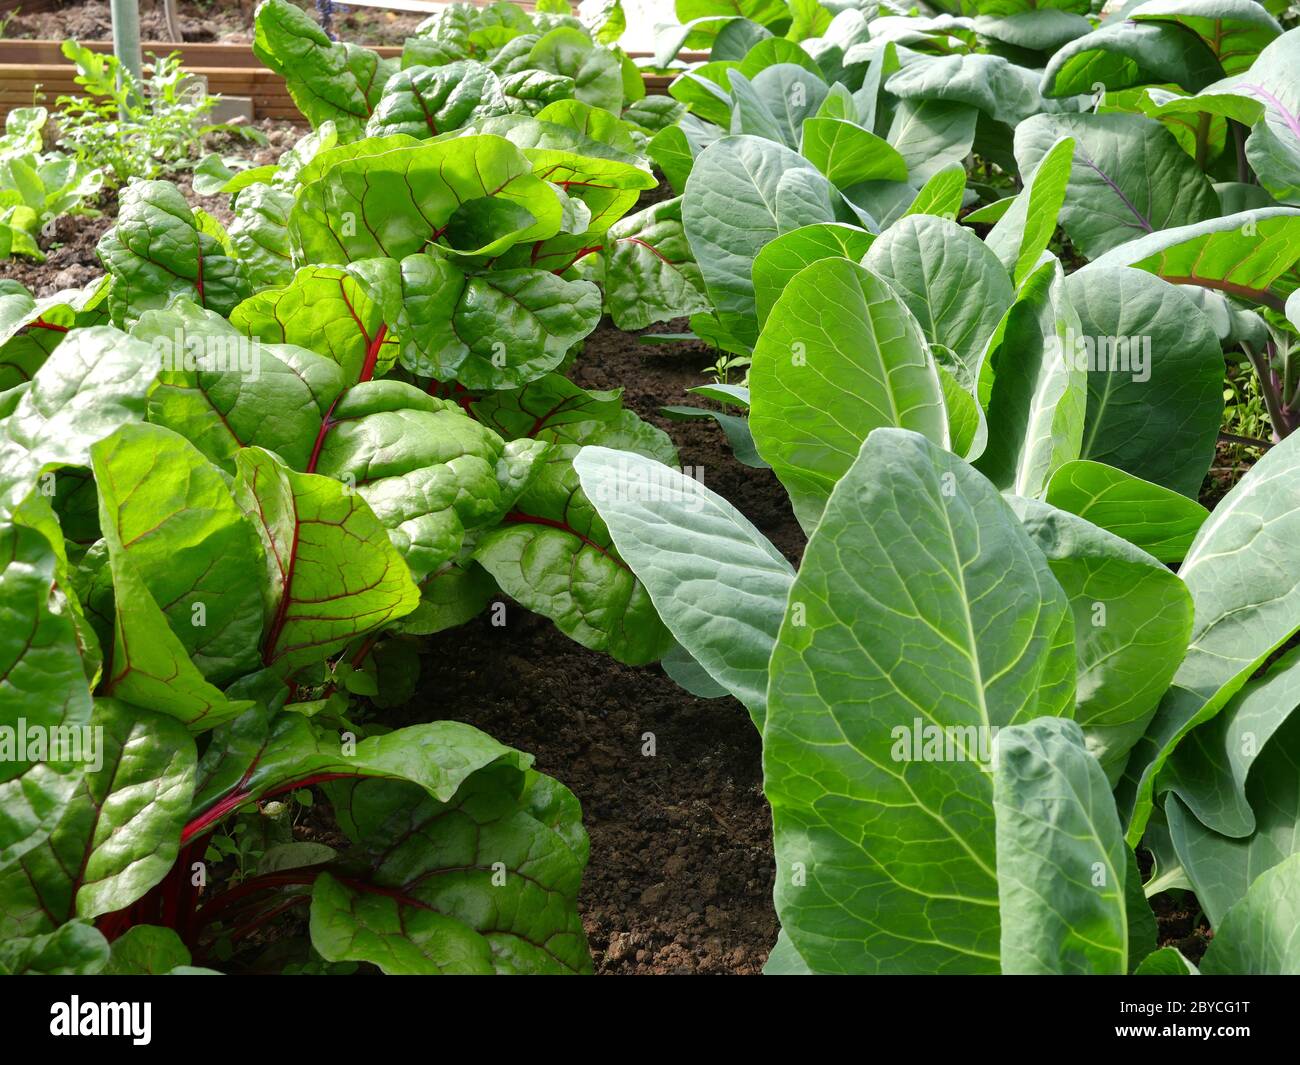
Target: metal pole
[126, 36]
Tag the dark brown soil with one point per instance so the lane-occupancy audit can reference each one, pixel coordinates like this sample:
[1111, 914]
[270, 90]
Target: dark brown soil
[225, 21]
[1181, 924]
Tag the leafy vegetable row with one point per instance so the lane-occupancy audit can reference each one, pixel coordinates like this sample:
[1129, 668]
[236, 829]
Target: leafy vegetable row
[240, 473]
[984, 685]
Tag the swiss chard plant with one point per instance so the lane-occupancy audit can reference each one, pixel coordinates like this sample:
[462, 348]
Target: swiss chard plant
[195, 608]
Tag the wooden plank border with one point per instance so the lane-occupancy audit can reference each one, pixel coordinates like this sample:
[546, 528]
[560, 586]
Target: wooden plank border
[231, 70]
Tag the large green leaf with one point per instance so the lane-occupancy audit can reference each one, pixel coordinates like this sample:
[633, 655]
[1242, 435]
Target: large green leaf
[789, 253]
[742, 193]
[472, 195]
[1124, 53]
[1022, 234]
[1034, 397]
[554, 554]
[42, 686]
[331, 572]
[328, 80]
[1159, 521]
[158, 250]
[1254, 756]
[951, 282]
[1061, 856]
[847, 154]
[717, 582]
[154, 656]
[648, 273]
[1234, 30]
[275, 397]
[426, 470]
[1210, 768]
[1261, 933]
[840, 355]
[1128, 177]
[430, 101]
[120, 833]
[514, 838]
[1245, 593]
[94, 382]
[1132, 620]
[931, 135]
[921, 603]
[1250, 254]
[1155, 377]
[1002, 90]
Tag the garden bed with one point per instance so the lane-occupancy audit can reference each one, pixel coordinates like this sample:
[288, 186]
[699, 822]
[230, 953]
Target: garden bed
[372, 502]
[681, 869]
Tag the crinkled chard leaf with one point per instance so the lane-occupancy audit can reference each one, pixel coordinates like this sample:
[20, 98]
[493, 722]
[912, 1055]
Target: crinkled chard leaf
[94, 382]
[335, 311]
[43, 686]
[427, 101]
[332, 573]
[510, 837]
[259, 235]
[647, 271]
[118, 836]
[30, 329]
[472, 195]
[151, 664]
[169, 510]
[426, 471]
[267, 395]
[328, 80]
[554, 554]
[486, 329]
[73, 949]
[596, 71]
[159, 250]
